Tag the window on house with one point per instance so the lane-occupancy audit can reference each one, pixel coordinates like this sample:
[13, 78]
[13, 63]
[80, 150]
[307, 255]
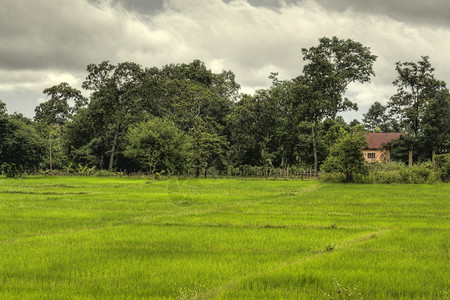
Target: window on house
[371, 155]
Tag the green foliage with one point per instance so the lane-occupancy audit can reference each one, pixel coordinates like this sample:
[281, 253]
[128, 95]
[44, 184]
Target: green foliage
[84, 140]
[397, 172]
[331, 67]
[158, 145]
[416, 86]
[21, 147]
[376, 118]
[436, 127]
[3, 110]
[57, 110]
[346, 156]
[443, 166]
[421, 108]
[84, 170]
[399, 149]
[252, 126]
[394, 173]
[11, 170]
[291, 124]
[334, 131]
[55, 155]
[207, 148]
[114, 103]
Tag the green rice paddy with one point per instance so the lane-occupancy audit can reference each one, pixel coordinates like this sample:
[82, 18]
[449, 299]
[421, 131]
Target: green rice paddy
[128, 238]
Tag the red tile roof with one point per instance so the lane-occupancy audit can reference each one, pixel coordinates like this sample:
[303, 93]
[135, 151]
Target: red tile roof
[378, 140]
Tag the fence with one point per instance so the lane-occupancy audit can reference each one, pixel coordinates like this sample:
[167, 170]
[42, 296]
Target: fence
[247, 171]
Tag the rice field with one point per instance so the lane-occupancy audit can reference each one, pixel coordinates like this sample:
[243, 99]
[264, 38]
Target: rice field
[131, 238]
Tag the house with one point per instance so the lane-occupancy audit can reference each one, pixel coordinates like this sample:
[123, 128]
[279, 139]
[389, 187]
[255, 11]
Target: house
[376, 150]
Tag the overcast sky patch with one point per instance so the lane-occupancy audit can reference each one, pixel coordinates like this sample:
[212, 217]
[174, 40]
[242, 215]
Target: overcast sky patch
[46, 42]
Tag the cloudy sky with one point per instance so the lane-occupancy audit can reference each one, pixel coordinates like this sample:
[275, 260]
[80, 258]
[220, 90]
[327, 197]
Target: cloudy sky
[43, 43]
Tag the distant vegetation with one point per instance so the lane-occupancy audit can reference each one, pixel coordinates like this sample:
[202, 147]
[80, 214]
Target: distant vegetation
[183, 119]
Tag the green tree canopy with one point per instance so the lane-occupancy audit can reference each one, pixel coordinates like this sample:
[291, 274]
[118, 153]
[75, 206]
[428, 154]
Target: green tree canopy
[251, 124]
[376, 117]
[346, 156]
[331, 67]
[114, 101]
[21, 148]
[3, 110]
[416, 86]
[158, 145]
[57, 109]
[436, 122]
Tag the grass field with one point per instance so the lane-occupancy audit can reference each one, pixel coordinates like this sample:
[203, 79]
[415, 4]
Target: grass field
[90, 237]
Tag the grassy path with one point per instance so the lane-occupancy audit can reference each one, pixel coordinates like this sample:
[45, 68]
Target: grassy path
[233, 284]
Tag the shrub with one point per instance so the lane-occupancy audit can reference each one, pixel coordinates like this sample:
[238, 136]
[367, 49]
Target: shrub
[346, 157]
[333, 177]
[393, 173]
[400, 173]
[443, 166]
[10, 170]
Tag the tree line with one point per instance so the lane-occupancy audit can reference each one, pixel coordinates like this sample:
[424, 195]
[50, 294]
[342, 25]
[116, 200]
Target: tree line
[185, 119]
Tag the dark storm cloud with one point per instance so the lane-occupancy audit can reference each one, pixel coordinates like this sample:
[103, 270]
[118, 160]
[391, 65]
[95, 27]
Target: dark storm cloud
[436, 12]
[429, 11]
[144, 7]
[39, 34]
[418, 11]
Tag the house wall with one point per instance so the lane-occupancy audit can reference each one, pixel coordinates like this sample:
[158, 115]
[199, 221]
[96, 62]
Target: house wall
[375, 155]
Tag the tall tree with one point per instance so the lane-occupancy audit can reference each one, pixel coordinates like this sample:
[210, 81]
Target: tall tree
[416, 86]
[285, 144]
[3, 110]
[55, 112]
[198, 101]
[436, 123]
[192, 90]
[252, 126]
[57, 109]
[21, 148]
[331, 67]
[207, 147]
[157, 145]
[346, 156]
[114, 100]
[376, 117]
[84, 137]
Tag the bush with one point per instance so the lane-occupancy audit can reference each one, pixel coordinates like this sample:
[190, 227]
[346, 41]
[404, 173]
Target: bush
[443, 166]
[10, 170]
[21, 148]
[157, 145]
[393, 173]
[332, 177]
[346, 157]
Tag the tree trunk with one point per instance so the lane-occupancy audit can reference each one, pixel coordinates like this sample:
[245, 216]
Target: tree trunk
[348, 177]
[410, 159]
[50, 140]
[388, 157]
[433, 157]
[113, 152]
[197, 172]
[314, 140]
